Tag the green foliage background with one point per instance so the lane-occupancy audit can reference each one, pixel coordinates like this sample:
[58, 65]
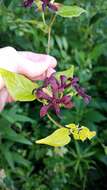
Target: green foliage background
[81, 42]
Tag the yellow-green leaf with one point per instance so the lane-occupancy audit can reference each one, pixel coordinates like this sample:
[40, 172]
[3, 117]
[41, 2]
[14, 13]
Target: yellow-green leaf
[85, 133]
[91, 134]
[81, 133]
[68, 73]
[72, 126]
[19, 87]
[74, 130]
[70, 11]
[58, 138]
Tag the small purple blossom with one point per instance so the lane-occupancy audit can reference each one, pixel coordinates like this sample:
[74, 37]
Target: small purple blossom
[80, 91]
[74, 82]
[55, 99]
[53, 93]
[28, 3]
[45, 3]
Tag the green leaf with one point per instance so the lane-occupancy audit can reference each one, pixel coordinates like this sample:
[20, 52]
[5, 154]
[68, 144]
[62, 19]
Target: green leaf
[12, 116]
[19, 87]
[8, 156]
[20, 160]
[102, 158]
[70, 11]
[60, 137]
[6, 2]
[68, 73]
[94, 116]
[34, 22]
[8, 133]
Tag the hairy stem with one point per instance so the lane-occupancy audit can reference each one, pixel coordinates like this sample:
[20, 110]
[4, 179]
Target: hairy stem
[43, 18]
[54, 122]
[49, 40]
[49, 33]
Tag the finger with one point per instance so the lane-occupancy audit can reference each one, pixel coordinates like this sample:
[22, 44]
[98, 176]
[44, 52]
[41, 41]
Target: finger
[10, 99]
[46, 74]
[34, 65]
[1, 83]
[3, 98]
[38, 58]
[50, 71]
[8, 61]
[8, 58]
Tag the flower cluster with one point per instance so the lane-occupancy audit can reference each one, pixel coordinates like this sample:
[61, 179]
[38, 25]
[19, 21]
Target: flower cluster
[44, 3]
[80, 91]
[80, 133]
[53, 96]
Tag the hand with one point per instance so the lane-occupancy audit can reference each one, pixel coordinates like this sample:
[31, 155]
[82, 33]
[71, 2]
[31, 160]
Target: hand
[33, 66]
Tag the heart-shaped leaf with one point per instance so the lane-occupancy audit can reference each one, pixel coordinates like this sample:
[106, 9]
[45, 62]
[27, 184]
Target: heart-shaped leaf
[68, 73]
[19, 87]
[70, 11]
[58, 138]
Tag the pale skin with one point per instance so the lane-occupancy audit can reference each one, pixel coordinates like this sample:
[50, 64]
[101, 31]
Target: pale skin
[32, 65]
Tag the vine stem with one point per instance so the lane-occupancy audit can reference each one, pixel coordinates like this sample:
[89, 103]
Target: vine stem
[49, 33]
[43, 18]
[54, 122]
[49, 40]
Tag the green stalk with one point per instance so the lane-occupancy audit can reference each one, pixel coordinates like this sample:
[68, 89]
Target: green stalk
[54, 122]
[49, 33]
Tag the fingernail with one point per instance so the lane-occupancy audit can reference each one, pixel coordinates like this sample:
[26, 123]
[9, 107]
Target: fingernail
[3, 98]
[50, 71]
[52, 61]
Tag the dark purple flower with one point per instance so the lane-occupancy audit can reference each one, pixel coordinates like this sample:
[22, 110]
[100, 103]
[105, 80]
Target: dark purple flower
[55, 99]
[53, 7]
[52, 93]
[45, 3]
[28, 3]
[80, 91]
[74, 81]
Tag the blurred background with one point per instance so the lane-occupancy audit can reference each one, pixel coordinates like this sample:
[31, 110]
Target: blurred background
[81, 42]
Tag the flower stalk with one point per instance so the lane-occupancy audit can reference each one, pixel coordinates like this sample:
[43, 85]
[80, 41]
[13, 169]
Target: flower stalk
[53, 121]
[49, 33]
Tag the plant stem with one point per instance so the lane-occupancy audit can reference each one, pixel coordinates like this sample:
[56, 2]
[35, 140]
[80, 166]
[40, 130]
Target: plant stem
[49, 33]
[54, 122]
[49, 40]
[53, 20]
[43, 18]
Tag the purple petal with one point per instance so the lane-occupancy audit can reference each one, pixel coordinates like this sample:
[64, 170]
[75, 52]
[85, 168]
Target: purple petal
[74, 81]
[69, 105]
[46, 82]
[42, 95]
[56, 108]
[52, 7]
[28, 3]
[66, 100]
[81, 92]
[63, 81]
[45, 1]
[44, 6]
[54, 84]
[87, 99]
[44, 110]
